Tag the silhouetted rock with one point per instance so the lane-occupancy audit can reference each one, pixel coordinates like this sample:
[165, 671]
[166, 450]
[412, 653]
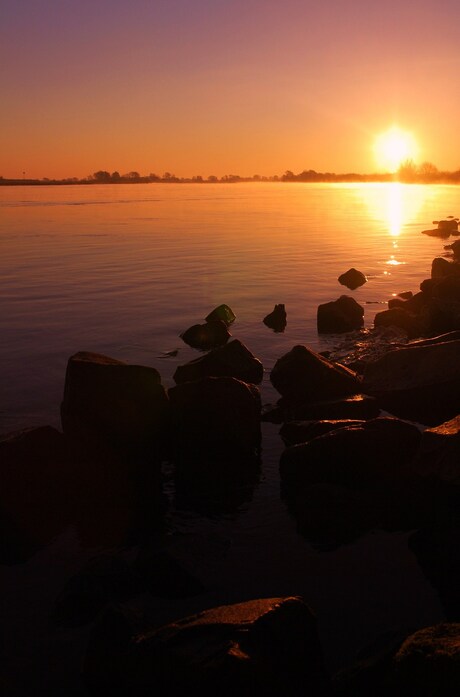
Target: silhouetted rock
[303, 376]
[444, 228]
[441, 267]
[428, 663]
[206, 336]
[36, 483]
[375, 453]
[421, 383]
[276, 320]
[455, 247]
[216, 417]
[339, 316]
[123, 405]
[352, 279]
[401, 318]
[232, 360]
[221, 313]
[359, 406]
[259, 647]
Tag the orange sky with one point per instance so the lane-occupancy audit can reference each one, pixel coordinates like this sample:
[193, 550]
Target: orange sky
[200, 87]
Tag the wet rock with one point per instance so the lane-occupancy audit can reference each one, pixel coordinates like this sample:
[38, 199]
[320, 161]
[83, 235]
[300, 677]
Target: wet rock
[401, 318]
[449, 336]
[439, 454]
[375, 453]
[222, 313]
[294, 432]
[340, 316]
[36, 483]
[206, 336]
[455, 247]
[359, 406]
[123, 405]
[267, 646]
[303, 376]
[421, 383]
[232, 360]
[276, 320]
[428, 663]
[352, 279]
[215, 418]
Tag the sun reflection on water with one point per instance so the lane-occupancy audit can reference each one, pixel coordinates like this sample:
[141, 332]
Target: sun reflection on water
[395, 204]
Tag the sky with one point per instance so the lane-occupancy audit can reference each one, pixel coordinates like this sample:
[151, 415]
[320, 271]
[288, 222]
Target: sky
[215, 87]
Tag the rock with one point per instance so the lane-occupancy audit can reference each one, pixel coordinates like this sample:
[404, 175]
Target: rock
[216, 417]
[36, 486]
[232, 360]
[339, 316]
[359, 406]
[373, 454]
[294, 432]
[439, 454]
[164, 576]
[304, 377]
[428, 663]
[276, 320]
[259, 647]
[206, 336]
[352, 279]
[455, 247]
[440, 268]
[399, 317]
[421, 383]
[438, 232]
[449, 336]
[448, 224]
[123, 405]
[222, 313]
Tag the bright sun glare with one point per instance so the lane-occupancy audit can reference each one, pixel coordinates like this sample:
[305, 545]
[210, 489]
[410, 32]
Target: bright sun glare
[393, 147]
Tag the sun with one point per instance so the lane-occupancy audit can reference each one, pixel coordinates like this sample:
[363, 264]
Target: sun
[393, 147]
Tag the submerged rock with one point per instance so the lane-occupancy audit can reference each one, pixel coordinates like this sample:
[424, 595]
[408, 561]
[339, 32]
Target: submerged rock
[352, 279]
[232, 360]
[339, 316]
[259, 647]
[276, 320]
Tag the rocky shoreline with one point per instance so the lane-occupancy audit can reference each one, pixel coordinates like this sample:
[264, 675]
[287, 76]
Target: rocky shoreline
[371, 445]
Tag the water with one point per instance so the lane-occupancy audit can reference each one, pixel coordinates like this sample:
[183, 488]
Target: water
[123, 270]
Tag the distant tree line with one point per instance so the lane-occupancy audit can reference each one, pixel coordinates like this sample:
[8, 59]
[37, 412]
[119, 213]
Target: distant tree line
[408, 172]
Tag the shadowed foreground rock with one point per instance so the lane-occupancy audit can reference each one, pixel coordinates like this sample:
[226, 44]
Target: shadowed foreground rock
[421, 383]
[233, 360]
[260, 647]
[339, 316]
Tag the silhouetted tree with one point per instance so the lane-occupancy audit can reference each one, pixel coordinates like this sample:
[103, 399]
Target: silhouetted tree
[102, 176]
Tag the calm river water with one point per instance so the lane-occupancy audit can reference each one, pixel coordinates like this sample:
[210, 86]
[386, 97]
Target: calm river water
[123, 270]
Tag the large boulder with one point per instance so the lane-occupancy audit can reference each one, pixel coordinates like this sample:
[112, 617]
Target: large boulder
[304, 376]
[259, 647]
[374, 453]
[216, 417]
[232, 360]
[421, 383]
[222, 313]
[340, 316]
[401, 318]
[428, 663]
[352, 279]
[124, 405]
[441, 267]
